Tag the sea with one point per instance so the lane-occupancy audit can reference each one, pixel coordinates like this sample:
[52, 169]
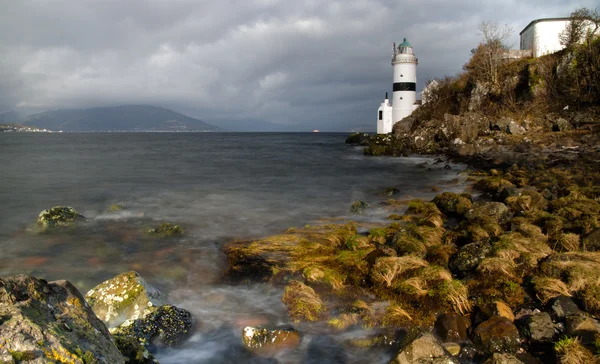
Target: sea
[219, 187]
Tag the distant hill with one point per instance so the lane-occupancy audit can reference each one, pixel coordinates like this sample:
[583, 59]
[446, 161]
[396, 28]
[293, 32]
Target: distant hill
[119, 118]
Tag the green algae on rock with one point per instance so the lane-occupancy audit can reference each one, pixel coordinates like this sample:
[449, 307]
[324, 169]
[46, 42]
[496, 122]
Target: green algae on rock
[358, 207]
[59, 216]
[133, 350]
[50, 322]
[126, 296]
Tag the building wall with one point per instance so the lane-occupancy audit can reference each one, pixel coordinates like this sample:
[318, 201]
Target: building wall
[384, 125]
[542, 37]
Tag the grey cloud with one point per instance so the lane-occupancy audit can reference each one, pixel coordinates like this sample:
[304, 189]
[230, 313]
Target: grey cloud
[309, 64]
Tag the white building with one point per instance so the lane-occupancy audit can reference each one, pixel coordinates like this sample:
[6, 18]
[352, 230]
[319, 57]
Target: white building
[541, 36]
[404, 97]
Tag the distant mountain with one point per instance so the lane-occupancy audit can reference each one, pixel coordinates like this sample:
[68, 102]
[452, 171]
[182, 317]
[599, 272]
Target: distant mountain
[119, 118]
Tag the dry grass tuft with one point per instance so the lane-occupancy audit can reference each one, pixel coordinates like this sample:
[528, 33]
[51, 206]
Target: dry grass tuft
[497, 266]
[570, 351]
[549, 288]
[566, 242]
[302, 301]
[395, 315]
[387, 269]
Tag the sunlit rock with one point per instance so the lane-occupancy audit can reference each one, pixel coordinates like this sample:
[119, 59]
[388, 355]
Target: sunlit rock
[59, 216]
[263, 341]
[126, 296]
[46, 322]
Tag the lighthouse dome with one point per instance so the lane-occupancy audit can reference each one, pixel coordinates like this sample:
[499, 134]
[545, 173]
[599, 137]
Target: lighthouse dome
[405, 47]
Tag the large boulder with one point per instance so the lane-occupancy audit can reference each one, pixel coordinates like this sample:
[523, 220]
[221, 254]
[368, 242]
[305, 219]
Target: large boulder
[538, 327]
[563, 306]
[126, 296]
[424, 349]
[59, 216]
[45, 322]
[497, 335]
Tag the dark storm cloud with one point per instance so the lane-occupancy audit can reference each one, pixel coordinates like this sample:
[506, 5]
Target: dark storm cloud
[312, 63]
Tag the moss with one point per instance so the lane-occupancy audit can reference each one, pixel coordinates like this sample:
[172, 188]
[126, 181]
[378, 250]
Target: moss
[358, 207]
[492, 185]
[453, 204]
[23, 355]
[115, 208]
[570, 351]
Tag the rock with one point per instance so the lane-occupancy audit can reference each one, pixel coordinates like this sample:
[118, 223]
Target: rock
[498, 358]
[509, 191]
[358, 207]
[167, 325]
[424, 349]
[59, 216]
[263, 341]
[115, 208]
[126, 296]
[453, 348]
[563, 306]
[561, 124]
[357, 138]
[497, 335]
[468, 257]
[583, 326]
[391, 191]
[167, 229]
[496, 211]
[51, 322]
[538, 327]
[453, 204]
[133, 351]
[452, 327]
[498, 308]
[591, 242]
[507, 125]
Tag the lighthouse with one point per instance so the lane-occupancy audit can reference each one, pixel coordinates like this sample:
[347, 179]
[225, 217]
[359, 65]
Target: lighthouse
[404, 96]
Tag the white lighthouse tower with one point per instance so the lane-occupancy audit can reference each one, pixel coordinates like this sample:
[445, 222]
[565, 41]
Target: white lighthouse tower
[404, 96]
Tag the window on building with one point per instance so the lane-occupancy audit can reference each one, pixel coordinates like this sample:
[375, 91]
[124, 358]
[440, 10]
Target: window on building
[380, 115]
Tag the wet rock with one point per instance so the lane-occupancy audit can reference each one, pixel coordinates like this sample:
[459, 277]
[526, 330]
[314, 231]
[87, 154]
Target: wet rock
[453, 204]
[492, 185]
[453, 348]
[563, 306]
[561, 124]
[59, 216]
[391, 191]
[468, 257]
[133, 351]
[357, 138]
[497, 335]
[507, 192]
[498, 358]
[582, 326]
[115, 208]
[126, 296]
[167, 325]
[267, 342]
[591, 242]
[167, 229]
[358, 207]
[497, 211]
[452, 327]
[538, 327]
[424, 349]
[498, 308]
[50, 322]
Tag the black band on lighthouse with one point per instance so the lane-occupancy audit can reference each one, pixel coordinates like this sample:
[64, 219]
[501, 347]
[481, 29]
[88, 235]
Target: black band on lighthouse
[405, 86]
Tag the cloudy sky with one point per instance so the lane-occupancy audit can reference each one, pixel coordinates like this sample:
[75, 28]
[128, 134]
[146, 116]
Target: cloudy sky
[300, 64]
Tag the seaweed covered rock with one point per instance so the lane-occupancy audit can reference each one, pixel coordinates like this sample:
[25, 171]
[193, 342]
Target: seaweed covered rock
[50, 322]
[133, 351]
[302, 302]
[126, 296]
[497, 335]
[357, 138]
[59, 216]
[264, 341]
[424, 349]
[358, 207]
[453, 204]
[468, 257]
[167, 325]
[495, 211]
[167, 229]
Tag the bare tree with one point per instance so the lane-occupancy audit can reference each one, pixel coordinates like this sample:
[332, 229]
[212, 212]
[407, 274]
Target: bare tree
[487, 57]
[583, 26]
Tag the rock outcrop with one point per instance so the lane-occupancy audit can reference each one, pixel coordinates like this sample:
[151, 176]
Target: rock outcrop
[49, 322]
